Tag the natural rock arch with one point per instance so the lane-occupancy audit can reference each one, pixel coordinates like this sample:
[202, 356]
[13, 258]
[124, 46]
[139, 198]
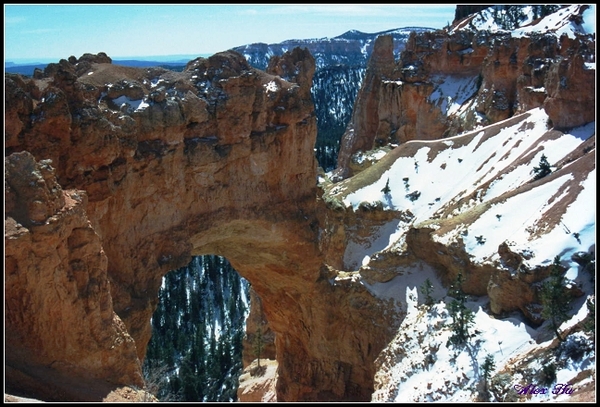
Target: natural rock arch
[220, 161]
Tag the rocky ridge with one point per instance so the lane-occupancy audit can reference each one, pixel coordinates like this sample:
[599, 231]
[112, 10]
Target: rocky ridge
[449, 79]
[352, 48]
[340, 68]
[498, 75]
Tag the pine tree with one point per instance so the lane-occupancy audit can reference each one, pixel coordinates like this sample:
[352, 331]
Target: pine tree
[386, 190]
[462, 317]
[555, 301]
[193, 299]
[543, 169]
[426, 290]
[258, 344]
[514, 16]
[487, 368]
[589, 323]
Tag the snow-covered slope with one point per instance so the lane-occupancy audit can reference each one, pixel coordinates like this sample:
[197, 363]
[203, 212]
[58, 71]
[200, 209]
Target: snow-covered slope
[476, 190]
[526, 20]
[485, 178]
[418, 365]
[478, 194]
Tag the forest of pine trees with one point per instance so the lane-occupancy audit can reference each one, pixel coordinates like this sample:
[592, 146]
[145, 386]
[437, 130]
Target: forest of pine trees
[195, 353]
[333, 92]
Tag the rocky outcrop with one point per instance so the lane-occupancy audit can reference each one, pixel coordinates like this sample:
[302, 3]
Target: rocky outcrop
[496, 76]
[258, 384]
[365, 115]
[59, 317]
[571, 88]
[340, 67]
[351, 49]
[384, 230]
[257, 324]
[217, 159]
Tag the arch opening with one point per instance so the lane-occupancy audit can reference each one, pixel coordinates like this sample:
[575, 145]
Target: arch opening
[198, 328]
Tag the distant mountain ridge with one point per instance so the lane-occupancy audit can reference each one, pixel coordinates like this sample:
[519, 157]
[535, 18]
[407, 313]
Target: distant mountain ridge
[350, 48]
[341, 63]
[28, 69]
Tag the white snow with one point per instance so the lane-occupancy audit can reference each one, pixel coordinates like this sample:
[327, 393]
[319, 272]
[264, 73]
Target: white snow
[476, 170]
[418, 365]
[559, 25]
[432, 371]
[358, 254]
[135, 105]
[452, 92]
[406, 286]
[271, 87]
[155, 82]
[460, 170]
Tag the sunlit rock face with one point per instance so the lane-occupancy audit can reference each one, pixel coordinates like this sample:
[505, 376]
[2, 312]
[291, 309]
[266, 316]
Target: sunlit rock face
[340, 68]
[217, 159]
[59, 317]
[493, 100]
[470, 205]
[450, 81]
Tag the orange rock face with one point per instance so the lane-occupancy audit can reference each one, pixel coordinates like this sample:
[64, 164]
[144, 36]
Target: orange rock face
[400, 100]
[59, 313]
[217, 159]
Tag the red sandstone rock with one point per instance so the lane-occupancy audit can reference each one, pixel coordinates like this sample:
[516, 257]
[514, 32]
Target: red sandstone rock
[513, 75]
[59, 318]
[218, 161]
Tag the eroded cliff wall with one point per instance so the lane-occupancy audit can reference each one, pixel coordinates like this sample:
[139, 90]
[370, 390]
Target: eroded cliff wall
[450, 81]
[217, 159]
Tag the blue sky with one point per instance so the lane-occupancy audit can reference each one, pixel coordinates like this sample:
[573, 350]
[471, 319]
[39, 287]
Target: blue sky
[47, 33]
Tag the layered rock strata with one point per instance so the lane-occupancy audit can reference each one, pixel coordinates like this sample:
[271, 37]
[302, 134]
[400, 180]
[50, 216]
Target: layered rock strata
[500, 75]
[217, 159]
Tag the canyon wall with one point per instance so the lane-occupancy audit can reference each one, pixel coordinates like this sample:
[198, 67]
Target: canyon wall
[500, 75]
[115, 176]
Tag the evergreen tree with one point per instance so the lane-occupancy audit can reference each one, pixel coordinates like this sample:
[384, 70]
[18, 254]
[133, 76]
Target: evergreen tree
[589, 323]
[386, 190]
[514, 17]
[426, 290]
[202, 365]
[555, 302]
[543, 10]
[258, 344]
[462, 317]
[487, 367]
[543, 169]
